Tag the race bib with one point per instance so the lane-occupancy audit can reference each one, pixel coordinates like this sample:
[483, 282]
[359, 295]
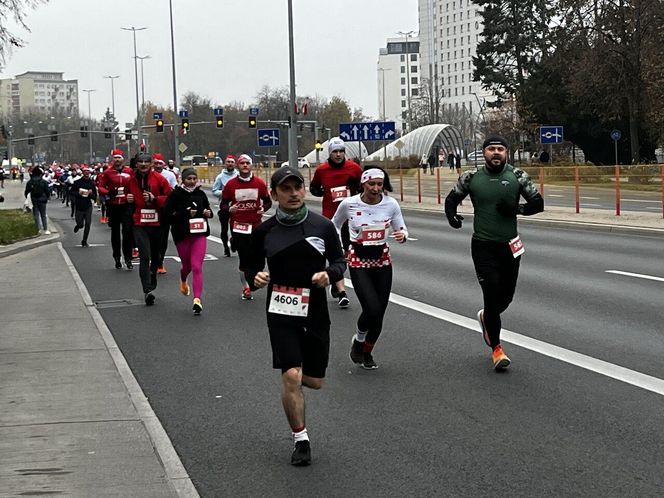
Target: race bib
[516, 246]
[291, 301]
[149, 216]
[372, 235]
[339, 193]
[120, 192]
[242, 227]
[197, 225]
[83, 192]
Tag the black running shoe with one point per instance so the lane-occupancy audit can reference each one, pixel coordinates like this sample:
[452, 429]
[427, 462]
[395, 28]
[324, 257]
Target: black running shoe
[77, 228]
[301, 456]
[343, 300]
[84, 243]
[334, 291]
[149, 299]
[356, 351]
[118, 264]
[368, 362]
[130, 265]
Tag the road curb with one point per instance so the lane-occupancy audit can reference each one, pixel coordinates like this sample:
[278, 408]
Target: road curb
[173, 468]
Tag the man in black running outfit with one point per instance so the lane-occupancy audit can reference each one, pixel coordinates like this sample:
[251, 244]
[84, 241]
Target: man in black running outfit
[303, 256]
[495, 189]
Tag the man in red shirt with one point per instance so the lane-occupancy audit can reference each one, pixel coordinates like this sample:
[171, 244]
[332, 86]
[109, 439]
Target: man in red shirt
[112, 184]
[245, 198]
[335, 180]
[147, 191]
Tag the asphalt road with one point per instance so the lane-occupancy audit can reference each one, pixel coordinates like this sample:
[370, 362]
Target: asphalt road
[434, 419]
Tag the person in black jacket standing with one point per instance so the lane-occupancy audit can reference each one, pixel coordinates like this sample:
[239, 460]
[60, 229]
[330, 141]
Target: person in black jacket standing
[303, 255]
[187, 209]
[84, 190]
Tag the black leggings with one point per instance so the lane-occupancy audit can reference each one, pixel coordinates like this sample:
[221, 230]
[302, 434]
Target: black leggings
[497, 271]
[148, 241]
[372, 287]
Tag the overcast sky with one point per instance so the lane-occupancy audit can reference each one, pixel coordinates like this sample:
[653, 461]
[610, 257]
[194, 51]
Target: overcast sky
[225, 49]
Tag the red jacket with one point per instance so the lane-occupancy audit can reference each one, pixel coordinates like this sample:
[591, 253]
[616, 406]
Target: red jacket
[113, 184]
[249, 197]
[337, 183]
[149, 213]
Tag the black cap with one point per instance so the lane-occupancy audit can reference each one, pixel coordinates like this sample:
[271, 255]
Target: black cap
[143, 156]
[495, 140]
[282, 174]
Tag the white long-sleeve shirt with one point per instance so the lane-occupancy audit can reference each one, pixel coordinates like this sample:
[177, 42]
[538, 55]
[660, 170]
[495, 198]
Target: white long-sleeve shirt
[365, 220]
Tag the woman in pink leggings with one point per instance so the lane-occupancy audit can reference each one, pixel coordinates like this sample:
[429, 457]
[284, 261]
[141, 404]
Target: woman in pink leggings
[188, 210]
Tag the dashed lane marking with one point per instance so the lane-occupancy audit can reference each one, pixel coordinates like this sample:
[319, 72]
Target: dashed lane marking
[636, 275]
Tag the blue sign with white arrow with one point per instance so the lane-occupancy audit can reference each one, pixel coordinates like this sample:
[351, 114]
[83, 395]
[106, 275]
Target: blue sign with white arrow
[268, 137]
[184, 114]
[378, 130]
[551, 134]
[158, 115]
[253, 111]
[219, 111]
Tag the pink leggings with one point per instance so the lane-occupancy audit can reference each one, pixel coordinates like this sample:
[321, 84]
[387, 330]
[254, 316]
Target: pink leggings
[192, 251]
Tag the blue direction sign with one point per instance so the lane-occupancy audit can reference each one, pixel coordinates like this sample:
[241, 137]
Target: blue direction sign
[616, 134]
[183, 114]
[551, 134]
[219, 111]
[253, 111]
[268, 137]
[158, 115]
[378, 130]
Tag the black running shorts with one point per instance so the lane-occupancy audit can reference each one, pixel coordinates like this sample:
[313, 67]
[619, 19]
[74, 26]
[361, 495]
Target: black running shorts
[296, 346]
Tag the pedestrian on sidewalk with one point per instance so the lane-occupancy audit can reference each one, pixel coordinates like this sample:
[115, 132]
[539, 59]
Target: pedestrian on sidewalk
[303, 257]
[187, 209]
[39, 192]
[84, 190]
[147, 193]
[496, 248]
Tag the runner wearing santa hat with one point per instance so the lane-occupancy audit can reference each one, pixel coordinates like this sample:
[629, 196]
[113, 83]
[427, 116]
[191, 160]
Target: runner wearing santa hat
[158, 164]
[226, 174]
[84, 191]
[113, 184]
[245, 198]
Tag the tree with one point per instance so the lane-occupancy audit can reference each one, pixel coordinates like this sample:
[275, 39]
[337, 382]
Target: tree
[15, 10]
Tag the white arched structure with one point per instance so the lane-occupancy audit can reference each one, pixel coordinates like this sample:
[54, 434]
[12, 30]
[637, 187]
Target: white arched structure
[421, 141]
[351, 152]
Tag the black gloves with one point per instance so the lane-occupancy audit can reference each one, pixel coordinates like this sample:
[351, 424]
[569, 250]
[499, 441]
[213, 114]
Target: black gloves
[454, 220]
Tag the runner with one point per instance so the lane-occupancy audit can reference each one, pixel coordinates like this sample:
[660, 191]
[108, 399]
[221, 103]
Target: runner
[303, 256]
[496, 248]
[84, 191]
[113, 185]
[369, 216]
[147, 191]
[158, 164]
[335, 180]
[245, 198]
[187, 210]
[226, 174]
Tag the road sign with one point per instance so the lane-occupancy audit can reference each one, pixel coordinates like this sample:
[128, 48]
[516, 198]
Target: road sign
[183, 114]
[253, 111]
[268, 137]
[219, 111]
[378, 130]
[158, 115]
[399, 144]
[616, 134]
[183, 147]
[551, 134]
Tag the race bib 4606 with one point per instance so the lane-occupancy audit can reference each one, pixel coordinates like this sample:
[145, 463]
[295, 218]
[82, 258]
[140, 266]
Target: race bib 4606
[291, 301]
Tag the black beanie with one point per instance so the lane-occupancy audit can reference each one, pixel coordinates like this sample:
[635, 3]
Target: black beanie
[495, 140]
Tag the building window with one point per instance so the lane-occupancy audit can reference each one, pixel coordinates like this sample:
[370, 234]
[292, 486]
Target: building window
[413, 69]
[454, 30]
[402, 58]
[403, 103]
[403, 69]
[403, 81]
[456, 92]
[403, 92]
[463, 91]
[415, 92]
[413, 81]
[413, 57]
[455, 66]
[448, 32]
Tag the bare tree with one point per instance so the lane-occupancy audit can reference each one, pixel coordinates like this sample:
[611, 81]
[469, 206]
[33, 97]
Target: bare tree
[15, 10]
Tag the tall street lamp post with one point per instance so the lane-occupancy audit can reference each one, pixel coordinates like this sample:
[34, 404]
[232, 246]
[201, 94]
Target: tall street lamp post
[292, 131]
[382, 70]
[112, 104]
[176, 145]
[138, 111]
[90, 125]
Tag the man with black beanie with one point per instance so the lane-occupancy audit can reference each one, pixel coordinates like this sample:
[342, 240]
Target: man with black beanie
[495, 189]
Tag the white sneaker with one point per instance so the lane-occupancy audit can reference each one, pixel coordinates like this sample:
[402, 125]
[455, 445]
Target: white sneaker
[47, 232]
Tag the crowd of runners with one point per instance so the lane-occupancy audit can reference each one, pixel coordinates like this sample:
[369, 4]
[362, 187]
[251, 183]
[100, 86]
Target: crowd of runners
[296, 254]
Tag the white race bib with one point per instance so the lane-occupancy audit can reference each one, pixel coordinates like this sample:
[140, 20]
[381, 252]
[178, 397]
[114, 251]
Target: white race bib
[120, 192]
[149, 216]
[517, 247]
[291, 301]
[197, 225]
[83, 192]
[372, 235]
[242, 227]
[339, 193]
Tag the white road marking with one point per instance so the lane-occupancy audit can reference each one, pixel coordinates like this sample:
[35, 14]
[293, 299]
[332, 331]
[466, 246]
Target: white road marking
[641, 200]
[636, 275]
[590, 198]
[207, 257]
[601, 367]
[554, 195]
[587, 204]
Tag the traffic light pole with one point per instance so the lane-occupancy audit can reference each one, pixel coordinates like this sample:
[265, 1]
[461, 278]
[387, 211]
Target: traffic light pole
[292, 130]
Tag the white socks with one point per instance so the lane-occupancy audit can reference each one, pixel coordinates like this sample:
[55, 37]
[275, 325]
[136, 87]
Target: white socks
[300, 436]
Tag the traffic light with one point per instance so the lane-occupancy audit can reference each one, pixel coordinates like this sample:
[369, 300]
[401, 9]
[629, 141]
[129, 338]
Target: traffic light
[31, 140]
[107, 133]
[319, 146]
[185, 125]
[160, 125]
[127, 134]
[252, 122]
[84, 131]
[54, 136]
[220, 121]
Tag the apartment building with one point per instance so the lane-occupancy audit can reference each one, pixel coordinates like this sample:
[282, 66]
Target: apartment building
[42, 92]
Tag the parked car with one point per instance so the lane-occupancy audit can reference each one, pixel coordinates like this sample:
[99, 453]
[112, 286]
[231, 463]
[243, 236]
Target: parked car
[301, 163]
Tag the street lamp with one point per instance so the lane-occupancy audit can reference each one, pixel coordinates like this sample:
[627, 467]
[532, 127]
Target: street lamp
[112, 103]
[408, 34]
[176, 151]
[138, 112]
[292, 131]
[90, 123]
[143, 81]
[382, 70]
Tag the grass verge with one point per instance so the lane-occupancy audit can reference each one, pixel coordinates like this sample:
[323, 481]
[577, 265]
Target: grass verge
[16, 225]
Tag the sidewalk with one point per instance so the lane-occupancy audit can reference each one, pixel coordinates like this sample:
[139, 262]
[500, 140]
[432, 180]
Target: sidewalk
[74, 422]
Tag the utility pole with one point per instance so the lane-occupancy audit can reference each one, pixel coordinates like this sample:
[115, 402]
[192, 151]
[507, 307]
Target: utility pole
[138, 111]
[176, 144]
[292, 130]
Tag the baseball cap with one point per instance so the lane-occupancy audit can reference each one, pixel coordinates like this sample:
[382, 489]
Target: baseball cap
[282, 174]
